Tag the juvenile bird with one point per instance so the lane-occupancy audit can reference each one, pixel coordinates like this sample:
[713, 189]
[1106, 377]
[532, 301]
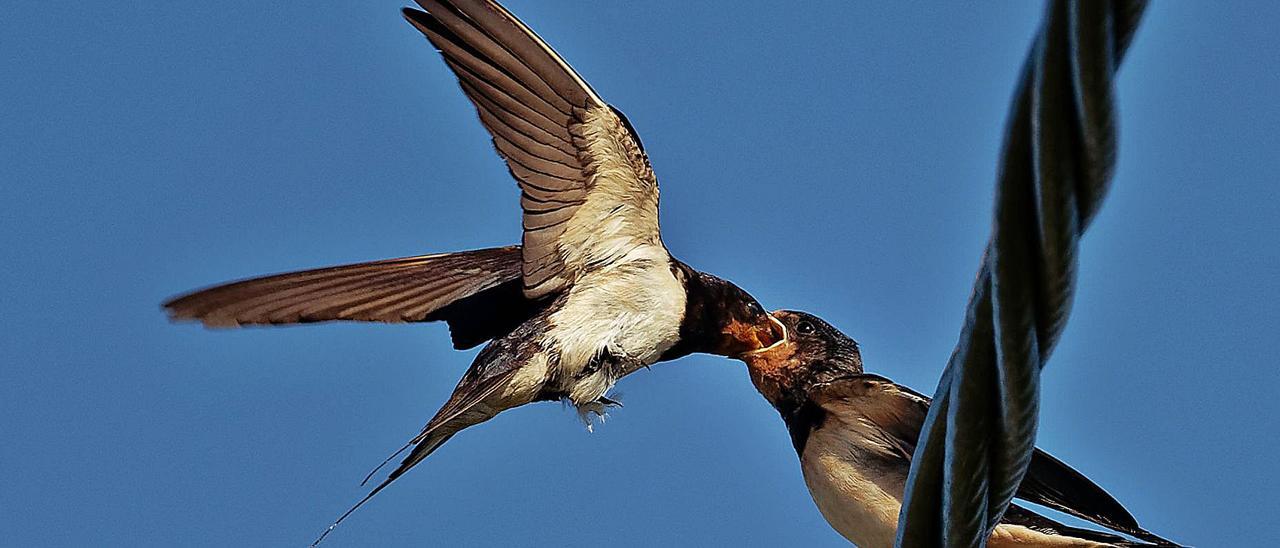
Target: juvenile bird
[591, 295]
[855, 434]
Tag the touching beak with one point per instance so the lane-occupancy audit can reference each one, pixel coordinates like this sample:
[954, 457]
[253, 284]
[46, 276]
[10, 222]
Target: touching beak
[776, 332]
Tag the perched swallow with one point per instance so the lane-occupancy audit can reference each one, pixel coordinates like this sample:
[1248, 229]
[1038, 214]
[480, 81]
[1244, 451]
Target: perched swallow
[855, 434]
[592, 294]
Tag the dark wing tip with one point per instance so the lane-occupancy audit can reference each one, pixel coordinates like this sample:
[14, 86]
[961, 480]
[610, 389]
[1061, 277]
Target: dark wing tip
[1054, 484]
[415, 15]
[423, 21]
[184, 309]
[203, 306]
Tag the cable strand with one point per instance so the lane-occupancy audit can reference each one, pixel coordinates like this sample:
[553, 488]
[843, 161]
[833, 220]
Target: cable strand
[1056, 164]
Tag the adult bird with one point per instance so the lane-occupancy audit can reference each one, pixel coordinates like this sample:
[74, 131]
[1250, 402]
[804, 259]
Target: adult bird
[590, 296]
[855, 434]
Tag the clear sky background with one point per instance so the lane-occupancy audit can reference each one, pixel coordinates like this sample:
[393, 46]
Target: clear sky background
[837, 158]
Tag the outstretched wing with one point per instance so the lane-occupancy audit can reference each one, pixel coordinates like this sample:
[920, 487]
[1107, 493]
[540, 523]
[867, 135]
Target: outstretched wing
[474, 291]
[900, 412]
[588, 193]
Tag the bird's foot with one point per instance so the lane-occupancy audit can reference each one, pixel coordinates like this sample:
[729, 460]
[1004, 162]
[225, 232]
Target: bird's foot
[599, 408]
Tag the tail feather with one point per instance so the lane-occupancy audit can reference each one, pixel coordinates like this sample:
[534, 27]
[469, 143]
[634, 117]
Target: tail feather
[1116, 540]
[421, 451]
[461, 411]
[1051, 483]
[1018, 515]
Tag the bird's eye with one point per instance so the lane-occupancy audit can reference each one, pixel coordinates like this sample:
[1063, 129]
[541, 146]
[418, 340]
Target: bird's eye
[805, 328]
[755, 309]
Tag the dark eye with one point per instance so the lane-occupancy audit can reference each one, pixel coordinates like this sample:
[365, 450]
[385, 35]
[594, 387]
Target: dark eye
[805, 328]
[754, 309]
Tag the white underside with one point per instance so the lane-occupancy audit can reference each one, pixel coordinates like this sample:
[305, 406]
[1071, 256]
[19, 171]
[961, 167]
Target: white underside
[631, 309]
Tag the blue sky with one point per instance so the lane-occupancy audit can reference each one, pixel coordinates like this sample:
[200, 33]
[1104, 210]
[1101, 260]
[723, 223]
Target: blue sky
[838, 159]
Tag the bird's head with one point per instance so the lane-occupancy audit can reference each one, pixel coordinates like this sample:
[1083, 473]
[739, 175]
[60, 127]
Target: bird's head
[811, 353]
[728, 321]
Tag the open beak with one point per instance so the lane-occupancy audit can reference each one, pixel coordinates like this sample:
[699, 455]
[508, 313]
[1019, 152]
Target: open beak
[776, 332]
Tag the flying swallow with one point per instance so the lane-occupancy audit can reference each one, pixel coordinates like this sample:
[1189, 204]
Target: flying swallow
[591, 295]
[855, 434]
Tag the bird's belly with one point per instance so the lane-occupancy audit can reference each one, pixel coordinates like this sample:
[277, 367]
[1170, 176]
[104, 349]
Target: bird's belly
[1011, 536]
[858, 488]
[630, 313]
[859, 498]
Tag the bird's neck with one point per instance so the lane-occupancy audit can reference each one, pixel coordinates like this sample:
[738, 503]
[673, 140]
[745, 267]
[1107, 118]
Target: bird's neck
[699, 326]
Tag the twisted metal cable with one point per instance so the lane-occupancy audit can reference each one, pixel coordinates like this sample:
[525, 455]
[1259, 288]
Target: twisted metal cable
[1058, 156]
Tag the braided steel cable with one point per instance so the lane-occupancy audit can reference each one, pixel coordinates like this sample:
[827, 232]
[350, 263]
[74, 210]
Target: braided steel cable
[1057, 160]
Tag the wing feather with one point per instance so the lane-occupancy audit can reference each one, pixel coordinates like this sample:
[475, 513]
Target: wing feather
[588, 193]
[411, 289]
[450, 16]
[567, 174]
[533, 52]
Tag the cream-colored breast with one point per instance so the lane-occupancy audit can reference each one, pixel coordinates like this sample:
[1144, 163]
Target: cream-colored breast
[857, 497]
[631, 309]
[858, 487]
